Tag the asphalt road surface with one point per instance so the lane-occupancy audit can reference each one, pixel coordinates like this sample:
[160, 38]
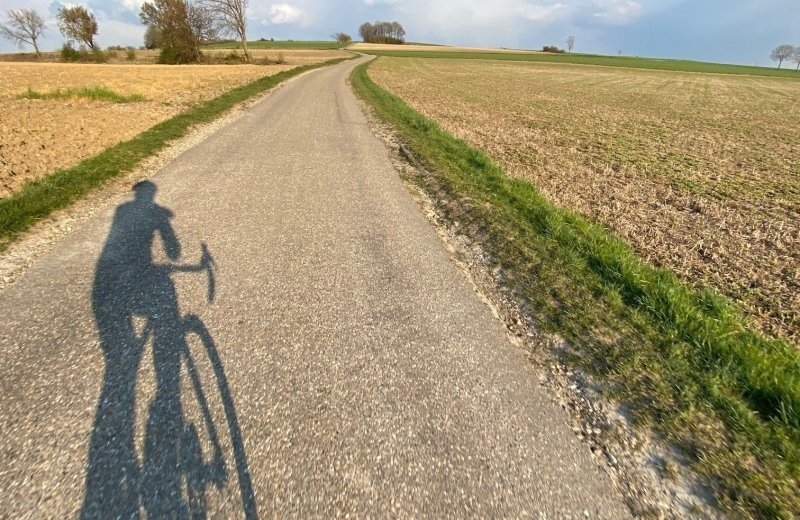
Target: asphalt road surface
[337, 362]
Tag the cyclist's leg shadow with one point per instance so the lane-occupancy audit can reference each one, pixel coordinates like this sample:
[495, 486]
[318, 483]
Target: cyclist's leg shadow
[174, 474]
[171, 475]
[163, 468]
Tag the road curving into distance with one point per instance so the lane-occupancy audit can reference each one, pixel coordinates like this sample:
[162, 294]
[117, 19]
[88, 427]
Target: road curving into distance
[339, 363]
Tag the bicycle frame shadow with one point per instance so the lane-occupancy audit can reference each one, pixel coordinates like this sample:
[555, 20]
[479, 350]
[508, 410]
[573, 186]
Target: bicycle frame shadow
[170, 478]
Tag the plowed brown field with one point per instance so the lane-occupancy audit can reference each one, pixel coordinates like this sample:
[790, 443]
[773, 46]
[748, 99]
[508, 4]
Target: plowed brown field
[700, 173]
[38, 136]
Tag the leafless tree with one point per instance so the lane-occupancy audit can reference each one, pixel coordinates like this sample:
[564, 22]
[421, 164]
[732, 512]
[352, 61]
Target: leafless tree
[397, 32]
[570, 43]
[781, 52]
[796, 57]
[232, 18]
[342, 38]
[24, 26]
[77, 23]
[205, 24]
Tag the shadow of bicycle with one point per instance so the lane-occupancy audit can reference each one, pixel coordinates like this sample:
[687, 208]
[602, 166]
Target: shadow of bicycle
[170, 474]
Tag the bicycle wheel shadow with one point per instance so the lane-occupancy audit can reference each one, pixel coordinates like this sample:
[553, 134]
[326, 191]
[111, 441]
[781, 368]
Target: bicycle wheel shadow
[170, 476]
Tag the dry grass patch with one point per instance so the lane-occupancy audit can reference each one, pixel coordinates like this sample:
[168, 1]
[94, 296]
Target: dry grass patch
[288, 56]
[149, 56]
[38, 136]
[699, 173]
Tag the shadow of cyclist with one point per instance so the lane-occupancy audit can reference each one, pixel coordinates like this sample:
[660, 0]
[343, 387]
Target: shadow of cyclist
[171, 478]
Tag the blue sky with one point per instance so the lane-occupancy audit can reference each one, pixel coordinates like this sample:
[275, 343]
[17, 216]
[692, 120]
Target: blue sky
[734, 31]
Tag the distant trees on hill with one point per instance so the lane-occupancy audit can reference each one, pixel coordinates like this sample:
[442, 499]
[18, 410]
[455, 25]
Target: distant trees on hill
[382, 32]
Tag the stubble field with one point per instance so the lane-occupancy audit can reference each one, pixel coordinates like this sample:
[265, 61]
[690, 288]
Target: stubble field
[700, 173]
[39, 136]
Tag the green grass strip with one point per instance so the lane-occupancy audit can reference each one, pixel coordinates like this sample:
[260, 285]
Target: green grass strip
[37, 199]
[94, 93]
[604, 61]
[684, 359]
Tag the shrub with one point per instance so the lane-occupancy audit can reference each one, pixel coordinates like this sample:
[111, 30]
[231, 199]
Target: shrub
[130, 54]
[95, 56]
[281, 59]
[233, 57]
[553, 49]
[69, 53]
[178, 55]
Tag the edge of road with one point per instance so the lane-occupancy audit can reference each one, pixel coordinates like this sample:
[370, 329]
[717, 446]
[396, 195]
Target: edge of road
[628, 454]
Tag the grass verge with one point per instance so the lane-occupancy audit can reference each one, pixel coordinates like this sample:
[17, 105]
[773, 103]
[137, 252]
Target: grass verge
[94, 93]
[37, 199]
[686, 361]
[605, 61]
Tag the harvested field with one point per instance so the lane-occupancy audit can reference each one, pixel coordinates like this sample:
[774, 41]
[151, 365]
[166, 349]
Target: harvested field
[38, 136]
[700, 173]
[289, 56]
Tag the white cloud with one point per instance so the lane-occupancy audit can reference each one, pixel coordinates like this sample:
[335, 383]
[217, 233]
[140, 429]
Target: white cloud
[285, 14]
[117, 32]
[133, 5]
[542, 13]
[617, 11]
[380, 2]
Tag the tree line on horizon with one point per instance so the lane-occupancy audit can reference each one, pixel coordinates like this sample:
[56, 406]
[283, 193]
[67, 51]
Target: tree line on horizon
[382, 32]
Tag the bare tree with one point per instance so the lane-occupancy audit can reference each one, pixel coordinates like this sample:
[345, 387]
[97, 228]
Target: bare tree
[205, 24]
[796, 57]
[24, 26]
[781, 52]
[570, 43]
[397, 32]
[77, 23]
[232, 18]
[342, 38]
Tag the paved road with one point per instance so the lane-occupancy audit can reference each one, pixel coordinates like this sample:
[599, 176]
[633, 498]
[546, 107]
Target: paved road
[343, 366]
